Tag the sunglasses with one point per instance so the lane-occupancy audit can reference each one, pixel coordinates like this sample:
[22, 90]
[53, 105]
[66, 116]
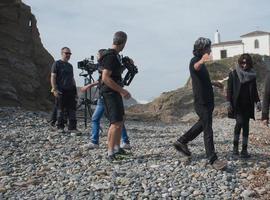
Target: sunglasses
[243, 62]
[67, 53]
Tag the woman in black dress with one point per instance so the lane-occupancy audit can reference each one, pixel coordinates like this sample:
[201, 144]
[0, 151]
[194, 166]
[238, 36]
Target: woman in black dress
[242, 95]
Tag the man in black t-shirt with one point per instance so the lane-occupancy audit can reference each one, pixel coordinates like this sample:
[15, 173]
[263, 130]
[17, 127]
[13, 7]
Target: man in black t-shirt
[112, 91]
[64, 90]
[203, 103]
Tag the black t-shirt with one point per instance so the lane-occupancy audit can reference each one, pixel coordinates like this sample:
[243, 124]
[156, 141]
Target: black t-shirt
[64, 75]
[111, 61]
[201, 84]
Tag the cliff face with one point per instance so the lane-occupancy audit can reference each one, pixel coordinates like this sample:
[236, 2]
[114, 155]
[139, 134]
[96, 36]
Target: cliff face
[177, 105]
[24, 62]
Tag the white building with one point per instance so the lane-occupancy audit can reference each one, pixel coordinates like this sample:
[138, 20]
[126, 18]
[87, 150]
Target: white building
[257, 42]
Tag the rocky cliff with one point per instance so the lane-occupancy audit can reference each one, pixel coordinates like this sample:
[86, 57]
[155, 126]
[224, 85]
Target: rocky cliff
[177, 105]
[24, 62]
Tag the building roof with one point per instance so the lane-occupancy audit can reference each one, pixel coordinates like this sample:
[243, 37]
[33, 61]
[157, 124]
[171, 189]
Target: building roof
[255, 33]
[228, 43]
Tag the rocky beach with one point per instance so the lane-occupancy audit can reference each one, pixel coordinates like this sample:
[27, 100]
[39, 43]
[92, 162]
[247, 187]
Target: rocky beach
[38, 163]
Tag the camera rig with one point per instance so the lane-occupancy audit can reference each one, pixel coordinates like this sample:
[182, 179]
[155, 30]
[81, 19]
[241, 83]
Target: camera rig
[132, 70]
[88, 66]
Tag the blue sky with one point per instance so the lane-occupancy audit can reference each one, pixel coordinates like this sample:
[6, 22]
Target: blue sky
[161, 33]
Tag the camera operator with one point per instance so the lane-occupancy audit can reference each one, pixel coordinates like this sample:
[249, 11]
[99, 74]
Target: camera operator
[64, 89]
[98, 113]
[112, 92]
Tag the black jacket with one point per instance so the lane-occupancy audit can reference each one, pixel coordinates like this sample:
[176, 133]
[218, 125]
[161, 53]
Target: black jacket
[233, 91]
[266, 98]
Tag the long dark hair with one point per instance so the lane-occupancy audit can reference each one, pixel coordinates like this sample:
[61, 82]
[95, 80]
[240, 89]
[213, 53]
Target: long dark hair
[248, 59]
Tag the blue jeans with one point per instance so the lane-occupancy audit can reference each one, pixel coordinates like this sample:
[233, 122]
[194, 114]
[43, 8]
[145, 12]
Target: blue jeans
[96, 117]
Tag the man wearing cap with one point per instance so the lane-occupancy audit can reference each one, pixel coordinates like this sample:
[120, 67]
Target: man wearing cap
[203, 104]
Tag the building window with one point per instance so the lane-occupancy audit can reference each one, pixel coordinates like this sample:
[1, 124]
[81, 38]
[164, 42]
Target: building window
[223, 54]
[256, 44]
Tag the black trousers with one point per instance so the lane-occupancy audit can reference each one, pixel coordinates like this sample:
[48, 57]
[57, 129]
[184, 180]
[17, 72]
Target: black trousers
[66, 102]
[54, 113]
[53, 118]
[242, 122]
[203, 125]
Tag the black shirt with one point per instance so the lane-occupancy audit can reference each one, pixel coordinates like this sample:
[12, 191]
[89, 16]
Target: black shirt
[201, 84]
[111, 61]
[64, 75]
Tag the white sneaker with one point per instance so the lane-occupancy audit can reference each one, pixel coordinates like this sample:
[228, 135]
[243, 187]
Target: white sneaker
[60, 130]
[126, 146]
[90, 145]
[75, 132]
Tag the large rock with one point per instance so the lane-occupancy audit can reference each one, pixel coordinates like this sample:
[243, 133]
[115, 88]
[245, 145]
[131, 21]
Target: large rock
[177, 105]
[24, 62]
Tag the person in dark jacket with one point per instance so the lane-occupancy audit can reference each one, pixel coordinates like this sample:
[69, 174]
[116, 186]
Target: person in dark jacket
[242, 95]
[266, 101]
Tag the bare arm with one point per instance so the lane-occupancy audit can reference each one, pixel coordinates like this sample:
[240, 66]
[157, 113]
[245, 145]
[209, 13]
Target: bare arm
[53, 81]
[83, 89]
[53, 84]
[206, 57]
[106, 78]
[198, 65]
[74, 82]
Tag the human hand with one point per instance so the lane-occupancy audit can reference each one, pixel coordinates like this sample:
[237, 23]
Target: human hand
[265, 122]
[125, 94]
[56, 93]
[229, 107]
[206, 57]
[259, 106]
[218, 84]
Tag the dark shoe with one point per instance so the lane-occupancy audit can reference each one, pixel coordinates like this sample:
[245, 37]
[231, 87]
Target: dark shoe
[122, 154]
[52, 123]
[111, 158]
[61, 130]
[126, 146]
[219, 164]
[235, 151]
[245, 154]
[75, 132]
[183, 148]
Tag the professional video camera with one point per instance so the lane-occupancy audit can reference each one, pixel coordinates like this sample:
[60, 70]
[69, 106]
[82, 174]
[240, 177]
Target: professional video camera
[132, 70]
[88, 65]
